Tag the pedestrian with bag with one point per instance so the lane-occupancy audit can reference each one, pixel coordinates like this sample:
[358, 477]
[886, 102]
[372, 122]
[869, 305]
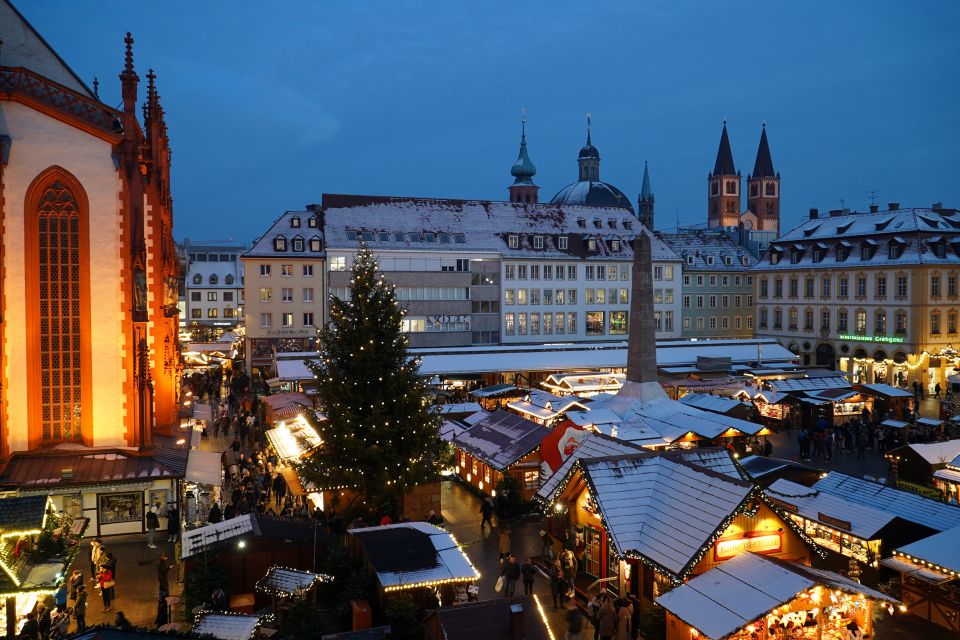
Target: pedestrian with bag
[105, 580]
[75, 581]
[96, 555]
[511, 572]
[528, 571]
[80, 608]
[153, 523]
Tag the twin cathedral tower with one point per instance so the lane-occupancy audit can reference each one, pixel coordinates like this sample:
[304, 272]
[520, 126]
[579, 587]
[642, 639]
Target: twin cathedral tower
[723, 186]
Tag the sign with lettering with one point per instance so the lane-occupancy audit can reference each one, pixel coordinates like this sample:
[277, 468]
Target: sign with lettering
[756, 541]
[445, 319]
[858, 338]
[784, 505]
[836, 523]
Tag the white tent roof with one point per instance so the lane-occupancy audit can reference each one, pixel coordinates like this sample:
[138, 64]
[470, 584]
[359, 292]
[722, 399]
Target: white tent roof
[595, 445]
[937, 452]
[293, 370]
[203, 467]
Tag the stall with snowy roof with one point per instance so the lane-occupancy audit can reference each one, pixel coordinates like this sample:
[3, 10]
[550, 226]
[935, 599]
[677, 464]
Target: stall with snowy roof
[545, 408]
[917, 463]
[947, 480]
[414, 557]
[648, 521]
[756, 597]
[930, 578]
[583, 384]
[502, 444]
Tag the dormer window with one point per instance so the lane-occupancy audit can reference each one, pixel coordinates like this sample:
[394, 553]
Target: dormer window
[591, 244]
[315, 244]
[774, 256]
[398, 236]
[612, 223]
[727, 260]
[513, 241]
[279, 243]
[297, 244]
[445, 238]
[628, 224]
[937, 246]
[614, 245]
[710, 260]
[197, 279]
[428, 237]
[581, 222]
[867, 249]
[538, 242]
[459, 238]
[295, 222]
[228, 280]
[213, 279]
[690, 260]
[562, 243]
[352, 236]
[745, 261]
[312, 222]
[843, 251]
[368, 236]
[383, 236]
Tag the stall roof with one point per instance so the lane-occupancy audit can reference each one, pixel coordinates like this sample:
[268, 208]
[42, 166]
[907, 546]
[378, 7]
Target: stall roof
[941, 549]
[770, 397]
[926, 574]
[22, 513]
[287, 405]
[227, 626]
[884, 390]
[490, 619]
[659, 507]
[832, 395]
[458, 407]
[584, 381]
[759, 466]
[203, 467]
[809, 384]
[595, 445]
[593, 417]
[501, 439]
[865, 522]
[934, 452]
[259, 525]
[450, 429]
[288, 581]
[731, 595]
[708, 402]
[202, 411]
[408, 554]
[293, 370]
[909, 506]
[949, 475]
[930, 422]
[494, 390]
[894, 424]
[545, 405]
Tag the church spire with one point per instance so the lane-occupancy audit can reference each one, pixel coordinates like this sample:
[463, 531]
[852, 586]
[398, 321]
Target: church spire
[589, 159]
[724, 165]
[645, 201]
[523, 170]
[763, 188]
[129, 78]
[723, 196]
[763, 167]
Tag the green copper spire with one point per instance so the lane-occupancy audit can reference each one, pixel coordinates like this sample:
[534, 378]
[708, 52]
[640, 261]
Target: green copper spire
[523, 169]
[645, 192]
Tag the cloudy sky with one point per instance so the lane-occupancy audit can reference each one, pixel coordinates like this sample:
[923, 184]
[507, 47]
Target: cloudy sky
[271, 104]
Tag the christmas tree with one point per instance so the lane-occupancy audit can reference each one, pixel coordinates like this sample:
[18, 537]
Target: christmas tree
[380, 437]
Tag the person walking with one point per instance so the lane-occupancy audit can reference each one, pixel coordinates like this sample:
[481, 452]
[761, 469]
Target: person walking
[43, 622]
[546, 544]
[163, 575]
[60, 597]
[624, 620]
[105, 580]
[511, 572]
[529, 572]
[486, 509]
[30, 629]
[557, 584]
[574, 621]
[80, 608]
[569, 563]
[163, 613]
[153, 523]
[504, 543]
[173, 523]
[607, 619]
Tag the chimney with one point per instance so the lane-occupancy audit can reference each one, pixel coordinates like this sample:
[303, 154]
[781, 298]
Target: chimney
[516, 621]
[836, 212]
[893, 206]
[937, 205]
[814, 213]
[641, 350]
[874, 208]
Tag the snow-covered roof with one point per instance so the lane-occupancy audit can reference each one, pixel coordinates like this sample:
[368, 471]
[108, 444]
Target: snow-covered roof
[545, 405]
[894, 424]
[595, 445]
[731, 595]
[288, 581]
[492, 390]
[219, 269]
[909, 506]
[293, 370]
[948, 474]
[936, 452]
[941, 549]
[865, 521]
[930, 422]
[585, 381]
[195, 540]
[593, 417]
[450, 429]
[458, 407]
[227, 626]
[501, 439]
[283, 227]
[659, 507]
[884, 390]
[410, 554]
[709, 402]
[809, 384]
[717, 459]
[708, 251]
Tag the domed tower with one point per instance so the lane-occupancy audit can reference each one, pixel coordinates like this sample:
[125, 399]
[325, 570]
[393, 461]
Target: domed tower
[645, 201]
[723, 187]
[589, 159]
[523, 189]
[763, 188]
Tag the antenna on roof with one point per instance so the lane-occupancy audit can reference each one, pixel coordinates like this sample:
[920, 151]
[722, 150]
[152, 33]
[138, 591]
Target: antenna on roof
[841, 203]
[872, 196]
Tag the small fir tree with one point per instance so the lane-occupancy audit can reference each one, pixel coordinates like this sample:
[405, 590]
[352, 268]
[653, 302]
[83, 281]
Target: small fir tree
[380, 436]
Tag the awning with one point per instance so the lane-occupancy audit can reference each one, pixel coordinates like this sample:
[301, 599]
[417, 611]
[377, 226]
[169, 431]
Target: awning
[930, 422]
[203, 467]
[947, 475]
[923, 573]
[294, 486]
[202, 411]
[894, 424]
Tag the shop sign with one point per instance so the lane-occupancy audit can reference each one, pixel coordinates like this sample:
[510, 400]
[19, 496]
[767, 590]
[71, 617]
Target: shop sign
[836, 523]
[784, 505]
[756, 541]
[290, 332]
[857, 338]
[444, 319]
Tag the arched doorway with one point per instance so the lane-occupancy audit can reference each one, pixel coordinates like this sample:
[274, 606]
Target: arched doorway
[826, 356]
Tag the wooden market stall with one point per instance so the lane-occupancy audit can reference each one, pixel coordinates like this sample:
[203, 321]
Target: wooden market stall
[545, 408]
[917, 463]
[583, 383]
[755, 597]
[496, 396]
[947, 480]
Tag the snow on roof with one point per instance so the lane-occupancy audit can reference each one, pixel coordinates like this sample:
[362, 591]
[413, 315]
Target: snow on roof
[585, 381]
[493, 390]
[941, 549]
[769, 396]
[930, 422]
[445, 562]
[593, 417]
[227, 626]
[709, 402]
[660, 508]
[195, 540]
[708, 251]
[759, 466]
[595, 445]
[716, 459]
[909, 506]
[865, 521]
[731, 595]
[450, 429]
[809, 384]
[545, 405]
[937, 452]
[475, 418]
[894, 424]
[293, 370]
[948, 474]
[832, 395]
[501, 439]
[884, 390]
[289, 581]
[283, 227]
[458, 407]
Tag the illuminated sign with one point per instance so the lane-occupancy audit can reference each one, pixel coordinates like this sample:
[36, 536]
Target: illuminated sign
[784, 505]
[890, 339]
[756, 541]
[836, 523]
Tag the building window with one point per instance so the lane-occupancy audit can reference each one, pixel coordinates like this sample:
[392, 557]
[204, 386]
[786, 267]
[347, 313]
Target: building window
[615, 245]
[295, 222]
[509, 272]
[534, 324]
[196, 296]
[558, 296]
[952, 286]
[315, 245]
[699, 302]
[548, 272]
[793, 316]
[808, 288]
[509, 296]
[686, 323]
[618, 323]
[658, 273]
[266, 294]
[228, 312]
[559, 324]
[212, 312]
[513, 241]
[902, 286]
[861, 286]
[842, 320]
[935, 322]
[521, 272]
[881, 286]
[861, 321]
[844, 286]
[880, 323]
[952, 322]
[825, 320]
[197, 279]
[308, 319]
[286, 319]
[538, 242]
[297, 244]
[668, 320]
[308, 294]
[562, 243]
[196, 313]
[935, 286]
[521, 324]
[595, 323]
[713, 322]
[778, 287]
[764, 288]
[592, 244]
[534, 272]
[777, 318]
[338, 263]
[286, 270]
[700, 323]
[521, 296]
[548, 323]
[266, 320]
[286, 294]
[808, 320]
[307, 271]
[211, 296]
[901, 323]
[509, 324]
[571, 272]
[793, 287]
[264, 271]
[657, 322]
[279, 243]
[825, 287]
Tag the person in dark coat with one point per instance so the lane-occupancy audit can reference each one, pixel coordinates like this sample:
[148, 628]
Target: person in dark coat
[43, 622]
[31, 629]
[163, 571]
[574, 620]
[528, 572]
[173, 524]
[215, 515]
[511, 572]
[163, 613]
[558, 584]
[80, 608]
[486, 509]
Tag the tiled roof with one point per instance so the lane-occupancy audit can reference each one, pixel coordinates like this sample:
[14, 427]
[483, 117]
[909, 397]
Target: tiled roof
[482, 226]
[909, 506]
[22, 513]
[708, 251]
[660, 508]
[263, 246]
[501, 439]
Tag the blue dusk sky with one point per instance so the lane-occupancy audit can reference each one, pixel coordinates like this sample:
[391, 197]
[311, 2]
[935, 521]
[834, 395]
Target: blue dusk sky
[270, 104]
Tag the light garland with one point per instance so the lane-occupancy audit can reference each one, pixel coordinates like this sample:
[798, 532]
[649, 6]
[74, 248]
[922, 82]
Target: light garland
[543, 617]
[926, 564]
[261, 585]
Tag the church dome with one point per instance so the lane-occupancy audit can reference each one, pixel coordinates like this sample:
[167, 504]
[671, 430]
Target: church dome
[589, 151]
[588, 193]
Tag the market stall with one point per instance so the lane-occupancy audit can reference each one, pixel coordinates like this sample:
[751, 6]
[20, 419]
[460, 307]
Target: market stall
[754, 597]
[889, 401]
[202, 486]
[947, 480]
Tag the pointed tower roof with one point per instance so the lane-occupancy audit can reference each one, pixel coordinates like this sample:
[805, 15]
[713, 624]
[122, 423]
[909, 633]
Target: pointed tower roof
[588, 150]
[724, 165]
[523, 169]
[645, 192]
[763, 167]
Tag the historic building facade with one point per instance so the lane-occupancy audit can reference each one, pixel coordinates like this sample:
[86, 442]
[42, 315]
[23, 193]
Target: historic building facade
[213, 288]
[717, 293]
[763, 190]
[89, 268]
[875, 294]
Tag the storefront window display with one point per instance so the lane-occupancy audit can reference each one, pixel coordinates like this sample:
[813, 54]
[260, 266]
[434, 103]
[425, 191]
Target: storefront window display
[73, 504]
[115, 508]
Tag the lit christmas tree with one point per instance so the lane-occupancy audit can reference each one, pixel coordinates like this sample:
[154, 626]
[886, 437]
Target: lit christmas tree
[380, 437]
